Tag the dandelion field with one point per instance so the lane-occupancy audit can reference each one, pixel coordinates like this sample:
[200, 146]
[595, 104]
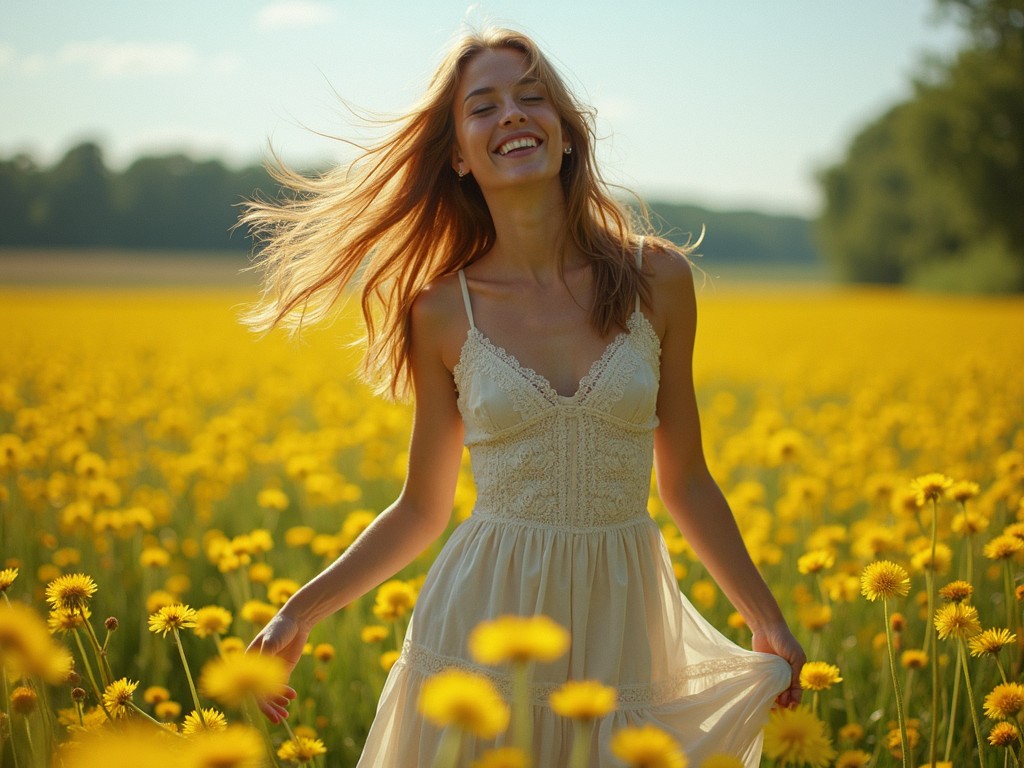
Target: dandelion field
[161, 467]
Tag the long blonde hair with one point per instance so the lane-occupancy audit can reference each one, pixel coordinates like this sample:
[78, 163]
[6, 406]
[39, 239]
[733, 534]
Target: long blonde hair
[400, 217]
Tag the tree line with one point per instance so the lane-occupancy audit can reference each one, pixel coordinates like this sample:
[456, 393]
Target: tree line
[157, 202]
[932, 192]
[176, 202]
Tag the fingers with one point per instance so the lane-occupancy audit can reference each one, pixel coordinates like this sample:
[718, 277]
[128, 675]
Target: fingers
[275, 708]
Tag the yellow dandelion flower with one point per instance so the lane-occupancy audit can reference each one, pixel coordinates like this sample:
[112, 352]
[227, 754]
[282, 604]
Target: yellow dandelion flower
[962, 490]
[394, 600]
[129, 745]
[1004, 701]
[797, 736]
[231, 679]
[167, 710]
[279, 590]
[154, 557]
[814, 616]
[7, 577]
[583, 700]
[23, 700]
[922, 559]
[230, 645]
[258, 612]
[71, 592]
[1003, 547]
[969, 523]
[991, 641]
[518, 639]
[956, 591]
[205, 719]
[373, 633]
[388, 659]
[234, 747]
[958, 620]
[647, 747]
[884, 579]
[155, 694]
[819, 676]
[323, 652]
[62, 621]
[914, 659]
[299, 536]
[465, 700]
[1003, 734]
[930, 487]
[260, 573]
[172, 618]
[853, 758]
[851, 733]
[816, 561]
[301, 749]
[212, 620]
[118, 696]
[503, 757]
[272, 498]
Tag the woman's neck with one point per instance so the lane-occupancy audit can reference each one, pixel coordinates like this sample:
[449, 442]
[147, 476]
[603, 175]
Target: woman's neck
[529, 231]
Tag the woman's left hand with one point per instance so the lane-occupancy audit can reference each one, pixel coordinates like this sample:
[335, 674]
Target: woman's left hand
[778, 640]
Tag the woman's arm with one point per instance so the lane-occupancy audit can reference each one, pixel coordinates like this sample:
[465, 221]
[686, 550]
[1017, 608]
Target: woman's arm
[687, 489]
[400, 533]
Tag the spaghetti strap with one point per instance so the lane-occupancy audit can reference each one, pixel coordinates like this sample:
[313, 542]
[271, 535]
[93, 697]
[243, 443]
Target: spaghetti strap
[639, 265]
[465, 298]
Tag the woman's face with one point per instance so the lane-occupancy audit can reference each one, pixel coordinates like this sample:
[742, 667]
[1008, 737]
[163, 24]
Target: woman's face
[507, 132]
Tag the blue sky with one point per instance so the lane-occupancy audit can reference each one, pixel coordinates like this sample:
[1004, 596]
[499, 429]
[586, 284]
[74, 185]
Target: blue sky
[725, 104]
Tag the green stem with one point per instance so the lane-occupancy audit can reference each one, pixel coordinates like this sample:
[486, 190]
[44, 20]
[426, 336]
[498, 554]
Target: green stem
[101, 656]
[904, 741]
[522, 716]
[7, 698]
[135, 707]
[1011, 603]
[970, 698]
[89, 673]
[188, 673]
[951, 725]
[580, 756]
[999, 666]
[449, 751]
[934, 731]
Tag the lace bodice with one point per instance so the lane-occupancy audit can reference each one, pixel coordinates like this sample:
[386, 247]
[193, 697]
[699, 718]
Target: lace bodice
[575, 462]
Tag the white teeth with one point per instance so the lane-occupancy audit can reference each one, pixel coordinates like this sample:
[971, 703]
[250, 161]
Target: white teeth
[526, 141]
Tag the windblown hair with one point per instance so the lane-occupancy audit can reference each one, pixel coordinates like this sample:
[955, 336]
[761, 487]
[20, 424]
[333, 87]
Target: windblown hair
[399, 217]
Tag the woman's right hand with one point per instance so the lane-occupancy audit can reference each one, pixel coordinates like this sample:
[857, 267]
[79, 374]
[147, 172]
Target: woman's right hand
[285, 638]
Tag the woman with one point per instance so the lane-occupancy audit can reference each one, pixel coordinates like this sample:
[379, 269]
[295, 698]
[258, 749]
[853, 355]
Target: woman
[504, 284]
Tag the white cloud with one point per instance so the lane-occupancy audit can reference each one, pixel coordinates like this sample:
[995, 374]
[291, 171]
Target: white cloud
[293, 13]
[112, 59]
[225, 63]
[6, 55]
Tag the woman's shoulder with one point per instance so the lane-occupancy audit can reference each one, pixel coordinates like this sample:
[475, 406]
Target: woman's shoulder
[439, 314]
[667, 267]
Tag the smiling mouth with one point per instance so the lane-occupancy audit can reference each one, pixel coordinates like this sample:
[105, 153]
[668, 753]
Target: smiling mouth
[526, 142]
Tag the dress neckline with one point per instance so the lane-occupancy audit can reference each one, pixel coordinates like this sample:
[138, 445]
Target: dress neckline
[539, 381]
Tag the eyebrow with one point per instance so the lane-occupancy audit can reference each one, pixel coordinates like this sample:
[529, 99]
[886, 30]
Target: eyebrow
[490, 88]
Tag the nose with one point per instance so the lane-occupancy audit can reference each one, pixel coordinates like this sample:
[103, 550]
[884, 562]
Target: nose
[513, 113]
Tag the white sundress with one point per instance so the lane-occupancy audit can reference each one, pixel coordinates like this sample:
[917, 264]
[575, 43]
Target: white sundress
[561, 528]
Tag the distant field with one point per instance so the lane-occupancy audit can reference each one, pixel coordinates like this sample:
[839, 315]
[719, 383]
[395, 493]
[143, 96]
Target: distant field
[120, 268]
[223, 269]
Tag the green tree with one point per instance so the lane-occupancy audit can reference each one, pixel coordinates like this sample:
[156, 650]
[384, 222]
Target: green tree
[931, 193]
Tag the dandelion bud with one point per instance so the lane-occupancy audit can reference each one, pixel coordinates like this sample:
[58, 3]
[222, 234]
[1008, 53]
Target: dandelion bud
[23, 700]
[78, 694]
[74, 679]
[1019, 592]
[110, 623]
[898, 622]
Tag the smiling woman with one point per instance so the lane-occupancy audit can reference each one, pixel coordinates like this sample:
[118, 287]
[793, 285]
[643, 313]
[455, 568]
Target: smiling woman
[537, 326]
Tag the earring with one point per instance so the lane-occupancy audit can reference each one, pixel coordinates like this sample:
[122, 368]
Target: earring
[461, 172]
[567, 151]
